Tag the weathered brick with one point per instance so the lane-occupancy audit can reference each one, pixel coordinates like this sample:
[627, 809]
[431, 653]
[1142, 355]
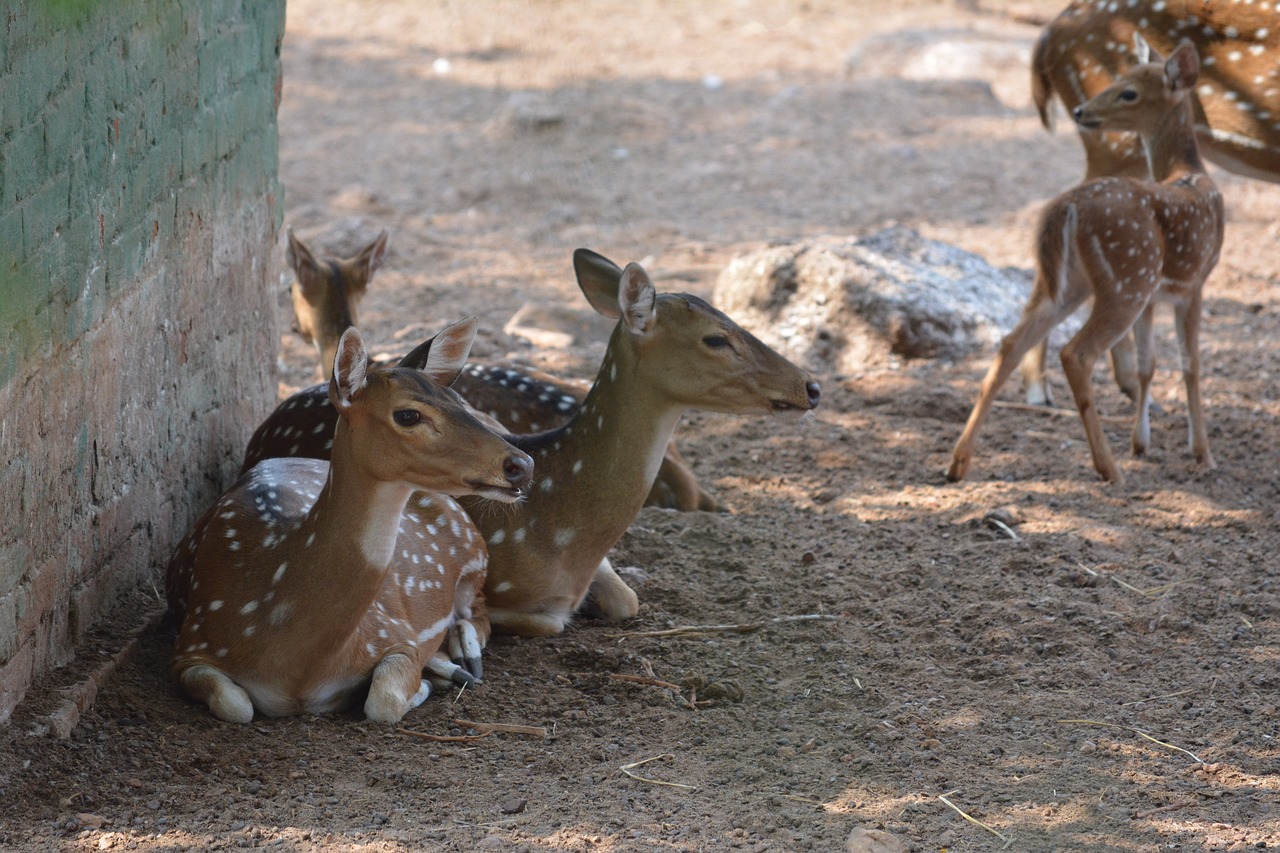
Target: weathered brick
[138, 192]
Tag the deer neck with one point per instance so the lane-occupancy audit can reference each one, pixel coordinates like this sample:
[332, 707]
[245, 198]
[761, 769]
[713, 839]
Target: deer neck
[1171, 148]
[351, 533]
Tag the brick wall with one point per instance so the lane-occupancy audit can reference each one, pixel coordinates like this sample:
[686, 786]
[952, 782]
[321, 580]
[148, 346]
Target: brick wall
[139, 206]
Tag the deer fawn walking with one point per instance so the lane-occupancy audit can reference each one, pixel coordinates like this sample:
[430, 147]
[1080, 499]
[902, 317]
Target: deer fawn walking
[1236, 100]
[669, 353]
[309, 582]
[1126, 243]
[326, 299]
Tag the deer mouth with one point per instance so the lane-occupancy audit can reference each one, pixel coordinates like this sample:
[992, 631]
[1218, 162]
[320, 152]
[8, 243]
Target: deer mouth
[506, 494]
[1088, 123]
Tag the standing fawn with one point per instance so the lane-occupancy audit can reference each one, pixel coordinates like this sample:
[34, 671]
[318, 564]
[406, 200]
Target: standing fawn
[311, 582]
[1126, 243]
[1236, 100]
[326, 299]
[669, 353]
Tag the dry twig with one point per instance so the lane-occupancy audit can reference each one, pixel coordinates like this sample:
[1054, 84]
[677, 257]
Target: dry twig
[627, 768]
[505, 728]
[1167, 807]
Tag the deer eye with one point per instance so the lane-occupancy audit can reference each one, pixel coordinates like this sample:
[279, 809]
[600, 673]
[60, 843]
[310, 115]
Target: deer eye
[716, 341]
[1128, 95]
[407, 417]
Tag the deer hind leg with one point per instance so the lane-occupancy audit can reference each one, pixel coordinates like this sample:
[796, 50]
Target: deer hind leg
[227, 700]
[1040, 316]
[1145, 361]
[1108, 321]
[1187, 318]
[609, 597]
[396, 688]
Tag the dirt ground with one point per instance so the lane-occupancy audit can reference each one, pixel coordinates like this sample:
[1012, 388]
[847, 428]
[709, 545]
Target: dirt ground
[1107, 680]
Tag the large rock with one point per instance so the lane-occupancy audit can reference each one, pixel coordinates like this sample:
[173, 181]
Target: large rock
[844, 304]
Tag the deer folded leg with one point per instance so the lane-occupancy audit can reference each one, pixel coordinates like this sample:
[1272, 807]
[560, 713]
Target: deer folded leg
[396, 688]
[227, 700]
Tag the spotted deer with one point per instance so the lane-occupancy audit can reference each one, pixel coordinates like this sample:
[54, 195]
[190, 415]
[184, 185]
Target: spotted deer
[669, 353]
[1236, 101]
[309, 583]
[326, 293]
[1127, 243]
[326, 299]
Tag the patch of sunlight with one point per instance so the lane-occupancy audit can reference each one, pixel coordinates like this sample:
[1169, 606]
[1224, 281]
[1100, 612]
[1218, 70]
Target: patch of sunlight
[868, 803]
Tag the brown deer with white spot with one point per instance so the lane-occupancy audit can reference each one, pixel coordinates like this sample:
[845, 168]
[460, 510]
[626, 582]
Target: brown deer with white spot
[326, 299]
[310, 583]
[1236, 101]
[669, 353]
[1126, 243]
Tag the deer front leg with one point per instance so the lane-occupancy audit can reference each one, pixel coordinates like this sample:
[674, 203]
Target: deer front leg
[1187, 317]
[227, 700]
[1146, 368]
[397, 687]
[1124, 367]
[1033, 382]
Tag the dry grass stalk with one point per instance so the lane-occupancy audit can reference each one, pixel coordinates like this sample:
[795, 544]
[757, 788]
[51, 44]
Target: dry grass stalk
[1168, 807]
[973, 820]
[1138, 732]
[740, 628]
[627, 768]
[1053, 410]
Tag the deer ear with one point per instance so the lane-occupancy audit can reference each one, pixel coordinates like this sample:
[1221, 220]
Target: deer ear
[303, 263]
[598, 278]
[372, 256]
[1141, 50]
[443, 357]
[637, 299]
[350, 370]
[1182, 67]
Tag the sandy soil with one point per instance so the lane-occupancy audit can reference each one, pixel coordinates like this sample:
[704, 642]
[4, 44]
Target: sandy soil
[1107, 680]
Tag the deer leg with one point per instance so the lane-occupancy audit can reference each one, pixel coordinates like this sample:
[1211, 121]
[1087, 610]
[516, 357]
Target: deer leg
[1124, 367]
[609, 597]
[227, 700]
[1033, 381]
[1146, 368]
[1188, 324]
[397, 687]
[528, 624]
[1107, 322]
[465, 648]
[1040, 316]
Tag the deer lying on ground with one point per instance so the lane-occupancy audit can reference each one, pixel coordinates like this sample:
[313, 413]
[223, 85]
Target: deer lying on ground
[669, 353]
[326, 298]
[309, 582]
[1127, 243]
[1236, 100]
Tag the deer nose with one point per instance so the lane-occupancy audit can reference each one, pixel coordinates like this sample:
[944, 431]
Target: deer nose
[1078, 113]
[814, 390]
[518, 469]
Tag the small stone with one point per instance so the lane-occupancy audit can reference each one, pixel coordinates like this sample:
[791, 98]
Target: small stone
[515, 805]
[873, 841]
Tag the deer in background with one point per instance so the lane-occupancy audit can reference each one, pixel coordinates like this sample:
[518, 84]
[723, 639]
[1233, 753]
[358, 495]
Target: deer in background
[309, 583]
[326, 298]
[326, 293]
[669, 353]
[1236, 101]
[1127, 243]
